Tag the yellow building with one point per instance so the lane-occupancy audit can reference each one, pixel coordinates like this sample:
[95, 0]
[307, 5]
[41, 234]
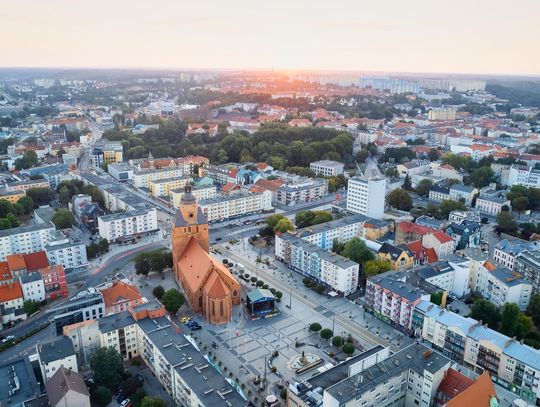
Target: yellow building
[374, 229]
[161, 187]
[13, 196]
[400, 257]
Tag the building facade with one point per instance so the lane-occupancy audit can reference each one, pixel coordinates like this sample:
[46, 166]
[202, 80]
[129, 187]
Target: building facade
[366, 196]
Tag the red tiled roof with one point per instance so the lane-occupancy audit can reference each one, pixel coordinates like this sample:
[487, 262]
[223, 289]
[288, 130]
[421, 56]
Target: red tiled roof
[15, 262]
[410, 227]
[120, 292]
[36, 261]
[442, 237]
[453, 384]
[5, 273]
[9, 292]
[270, 184]
[477, 394]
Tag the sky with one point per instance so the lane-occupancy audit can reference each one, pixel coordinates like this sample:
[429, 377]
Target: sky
[460, 36]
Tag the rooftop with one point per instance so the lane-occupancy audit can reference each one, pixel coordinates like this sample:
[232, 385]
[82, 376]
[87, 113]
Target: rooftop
[56, 349]
[63, 381]
[17, 377]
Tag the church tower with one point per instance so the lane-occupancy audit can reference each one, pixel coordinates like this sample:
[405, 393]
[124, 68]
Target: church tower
[189, 222]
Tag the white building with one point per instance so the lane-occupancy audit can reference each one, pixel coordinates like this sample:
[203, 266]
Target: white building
[142, 178]
[506, 250]
[52, 355]
[327, 168]
[231, 206]
[69, 253]
[302, 190]
[25, 239]
[464, 192]
[200, 194]
[366, 196]
[442, 113]
[33, 287]
[491, 205]
[501, 285]
[523, 175]
[126, 225]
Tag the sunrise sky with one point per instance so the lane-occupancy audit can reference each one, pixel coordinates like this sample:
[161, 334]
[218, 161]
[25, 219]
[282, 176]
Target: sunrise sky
[461, 36]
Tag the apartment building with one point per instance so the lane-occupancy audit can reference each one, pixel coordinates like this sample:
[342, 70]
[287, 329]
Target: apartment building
[33, 287]
[527, 263]
[506, 250]
[84, 306]
[121, 171]
[11, 302]
[25, 239]
[523, 175]
[144, 177]
[105, 151]
[232, 206]
[127, 225]
[12, 196]
[327, 168]
[465, 234]
[500, 285]
[56, 354]
[491, 205]
[162, 187]
[85, 337]
[174, 358]
[330, 269]
[366, 196]
[200, 193]
[442, 113]
[302, 190]
[120, 296]
[463, 192]
[391, 298]
[219, 174]
[400, 257]
[69, 253]
[410, 377]
[439, 193]
[26, 185]
[467, 342]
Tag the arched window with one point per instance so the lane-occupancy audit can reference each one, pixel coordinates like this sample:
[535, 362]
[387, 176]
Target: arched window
[234, 293]
[200, 301]
[213, 308]
[221, 308]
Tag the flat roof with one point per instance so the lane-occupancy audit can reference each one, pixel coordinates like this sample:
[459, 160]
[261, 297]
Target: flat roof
[56, 349]
[18, 371]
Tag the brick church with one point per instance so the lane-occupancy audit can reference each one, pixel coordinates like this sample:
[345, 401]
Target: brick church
[209, 286]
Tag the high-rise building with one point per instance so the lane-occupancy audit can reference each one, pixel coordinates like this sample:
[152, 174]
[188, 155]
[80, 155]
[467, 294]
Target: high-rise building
[366, 196]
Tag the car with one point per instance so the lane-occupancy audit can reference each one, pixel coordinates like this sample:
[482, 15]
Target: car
[185, 319]
[124, 403]
[120, 398]
[218, 239]
[195, 327]
[215, 345]
[8, 338]
[140, 378]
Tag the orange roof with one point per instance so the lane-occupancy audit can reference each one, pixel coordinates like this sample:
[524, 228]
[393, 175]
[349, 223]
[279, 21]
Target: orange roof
[481, 147]
[442, 237]
[215, 288]
[410, 227]
[431, 255]
[453, 384]
[15, 262]
[489, 266]
[270, 184]
[229, 186]
[5, 273]
[195, 264]
[120, 292]
[36, 261]
[477, 394]
[9, 292]
[421, 253]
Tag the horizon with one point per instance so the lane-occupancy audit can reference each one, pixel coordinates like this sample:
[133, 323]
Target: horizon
[479, 38]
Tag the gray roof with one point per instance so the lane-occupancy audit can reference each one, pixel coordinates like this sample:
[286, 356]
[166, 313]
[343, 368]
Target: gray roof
[45, 213]
[462, 188]
[57, 349]
[22, 370]
[416, 357]
[493, 199]
[334, 224]
[435, 269]
[26, 229]
[516, 246]
[124, 215]
[30, 277]
[116, 321]
[63, 381]
[396, 283]
[508, 277]
[191, 364]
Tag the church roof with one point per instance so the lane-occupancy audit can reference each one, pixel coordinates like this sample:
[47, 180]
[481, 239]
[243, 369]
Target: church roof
[194, 264]
[214, 287]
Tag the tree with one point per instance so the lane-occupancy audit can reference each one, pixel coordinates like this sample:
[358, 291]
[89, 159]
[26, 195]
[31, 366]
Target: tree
[40, 196]
[27, 204]
[326, 333]
[142, 266]
[482, 177]
[107, 366]
[337, 246]
[436, 298]
[337, 341]
[158, 292]
[485, 311]
[63, 219]
[400, 199]
[433, 155]
[130, 386]
[304, 219]
[376, 266]
[30, 307]
[138, 396]
[423, 187]
[362, 155]
[315, 327]
[28, 160]
[102, 396]
[524, 326]
[447, 206]
[152, 402]
[173, 300]
[506, 223]
[284, 225]
[392, 172]
[407, 184]
[356, 250]
[520, 203]
[348, 348]
[509, 319]
[273, 220]
[533, 310]
[103, 245]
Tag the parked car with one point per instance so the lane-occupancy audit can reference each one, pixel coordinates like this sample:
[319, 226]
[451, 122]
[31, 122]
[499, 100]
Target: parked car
[140, 378]
[8, 338]
[184, 319]
[195, 327]
[215, 345]
[124, 403]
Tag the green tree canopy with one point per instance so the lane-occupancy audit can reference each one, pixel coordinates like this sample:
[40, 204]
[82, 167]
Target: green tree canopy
[158, 291]
[107, 366]
[173, 300]
[27, 204]
[400, 199]
[284, 225]
[152, 402]
[506, 223]
[315, 327]
[485, 311]
[40, 196]
[356, 250]
[102, 396]
[482, 177]
[326, 333]
[509, 319]
[63, 219]
[376, 266]
[533, 310]
[423, 187]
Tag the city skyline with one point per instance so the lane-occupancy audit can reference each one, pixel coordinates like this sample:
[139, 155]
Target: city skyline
[342, 36]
